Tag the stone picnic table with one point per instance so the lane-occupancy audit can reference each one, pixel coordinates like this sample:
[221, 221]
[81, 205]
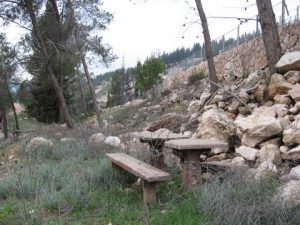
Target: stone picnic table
[156, 142]
[189, 150]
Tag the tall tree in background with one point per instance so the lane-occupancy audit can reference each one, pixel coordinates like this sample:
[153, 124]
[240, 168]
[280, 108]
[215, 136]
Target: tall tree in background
[45, 106]
[270, 34]
[148, 74]
[28, 11]
[84, 19]
[208, 48]
[7, 69]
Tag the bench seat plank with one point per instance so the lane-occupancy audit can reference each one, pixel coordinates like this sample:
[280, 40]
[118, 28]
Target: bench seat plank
[138, 168]
[194, 144]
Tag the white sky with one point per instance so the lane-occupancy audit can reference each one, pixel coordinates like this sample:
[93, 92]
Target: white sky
[143, 27]
[140, 29]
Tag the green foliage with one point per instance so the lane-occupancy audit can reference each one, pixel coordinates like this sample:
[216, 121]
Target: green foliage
[116, 89]
[41, 101]
[195, 77]
[148, 74]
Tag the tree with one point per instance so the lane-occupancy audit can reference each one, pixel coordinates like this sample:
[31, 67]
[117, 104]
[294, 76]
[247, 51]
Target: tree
[208, 48]
[148, 74]
[7, 70]
[45, 105]
[28, 11]
[269, 32]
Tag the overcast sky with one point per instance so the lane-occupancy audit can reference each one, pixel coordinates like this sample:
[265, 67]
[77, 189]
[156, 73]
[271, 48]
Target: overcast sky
[143, 27]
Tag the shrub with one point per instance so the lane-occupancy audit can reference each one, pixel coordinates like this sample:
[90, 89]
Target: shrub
[235, 198]
[195, 77]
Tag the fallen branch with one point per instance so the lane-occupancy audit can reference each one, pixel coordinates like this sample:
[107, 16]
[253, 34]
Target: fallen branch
[232, 94]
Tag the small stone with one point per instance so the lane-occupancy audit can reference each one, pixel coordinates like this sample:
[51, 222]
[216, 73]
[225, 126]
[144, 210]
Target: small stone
[282, 99]
[294, 110]
[247, 152]
[283, 149]
[269, 153]
[238, 160]
[295, 92]
[265, 168]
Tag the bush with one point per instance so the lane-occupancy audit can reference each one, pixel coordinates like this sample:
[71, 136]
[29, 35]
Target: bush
[195, 77]
[235, 198]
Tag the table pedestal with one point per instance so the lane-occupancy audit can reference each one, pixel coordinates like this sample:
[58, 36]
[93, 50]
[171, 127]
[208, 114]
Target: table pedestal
[191, 171]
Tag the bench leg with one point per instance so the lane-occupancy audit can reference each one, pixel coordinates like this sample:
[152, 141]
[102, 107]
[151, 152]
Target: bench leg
[149, 192]
[191, 171]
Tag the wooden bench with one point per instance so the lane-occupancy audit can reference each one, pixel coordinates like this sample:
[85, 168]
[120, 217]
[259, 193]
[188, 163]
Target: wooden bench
[149, 175]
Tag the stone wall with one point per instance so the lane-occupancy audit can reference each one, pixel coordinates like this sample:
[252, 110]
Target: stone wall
[244, 59]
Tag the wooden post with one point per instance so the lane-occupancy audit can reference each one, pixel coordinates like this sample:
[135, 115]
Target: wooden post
[149, 192]
[191, 171]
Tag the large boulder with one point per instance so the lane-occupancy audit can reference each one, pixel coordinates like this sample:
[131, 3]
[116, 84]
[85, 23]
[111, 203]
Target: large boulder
[38, 144]
[96, 139]
[290, 192]
[256, 129]
[289, 61]
[278, 85]
[113, 141]
[216, 124]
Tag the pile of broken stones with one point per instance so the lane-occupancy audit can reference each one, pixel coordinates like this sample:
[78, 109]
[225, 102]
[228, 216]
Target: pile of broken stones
[260, 119]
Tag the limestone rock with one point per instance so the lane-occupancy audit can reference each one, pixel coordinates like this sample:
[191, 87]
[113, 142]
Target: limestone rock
[96, 139]
[291, 135]
[295, 173]
[171, 121]
[290, 192]
[278, 85]
[113, 141]
[269, 153]
[282, 99]
[257, 128]
[194, 106]
[264, 111]
[216, 124]
[265, 168]
[247, 152]
[238, 160]
[39, 142]
[294, 110]
[68, 140]
[261, 93]
[293, 154]
[292, 77]
[289, 61]
[295, 92]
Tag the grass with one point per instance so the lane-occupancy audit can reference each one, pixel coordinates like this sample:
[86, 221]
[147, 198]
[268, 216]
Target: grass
[74, 184]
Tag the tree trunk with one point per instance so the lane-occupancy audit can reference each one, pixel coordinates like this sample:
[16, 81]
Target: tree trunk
[208, 48]
[81, 92]
[87, 75]
[61, 118]
[269, 32]
[13, 107]
[43, 48]
[4, 119]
